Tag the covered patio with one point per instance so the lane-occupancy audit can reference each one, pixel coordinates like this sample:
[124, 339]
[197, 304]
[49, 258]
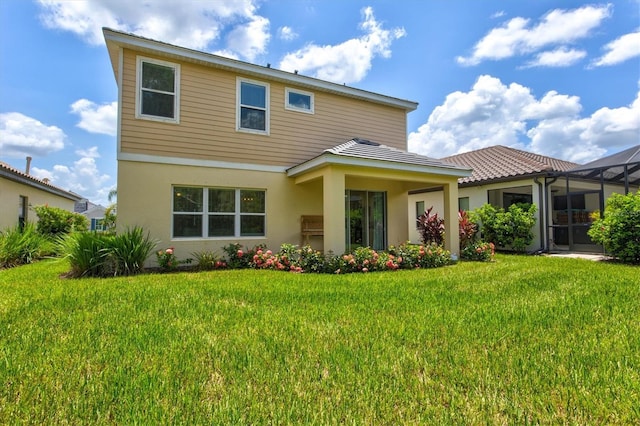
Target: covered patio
[364, 193]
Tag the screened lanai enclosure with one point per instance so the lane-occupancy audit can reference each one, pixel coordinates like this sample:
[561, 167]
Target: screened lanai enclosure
[577, 197]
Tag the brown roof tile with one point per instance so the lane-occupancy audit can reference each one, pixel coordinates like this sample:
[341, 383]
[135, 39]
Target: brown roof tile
[10, 172]
[501, 162]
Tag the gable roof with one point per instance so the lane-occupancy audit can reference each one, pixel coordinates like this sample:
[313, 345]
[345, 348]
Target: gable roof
[503, 163]
[118, 39]
[11, 173]
[362, 152]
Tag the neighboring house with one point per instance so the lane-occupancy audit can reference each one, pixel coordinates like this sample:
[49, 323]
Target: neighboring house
[94, 212]
[19, 191]
[566, 194]
[213, 151]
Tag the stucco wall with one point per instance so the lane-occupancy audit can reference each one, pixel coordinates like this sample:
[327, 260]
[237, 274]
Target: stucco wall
[10, 192]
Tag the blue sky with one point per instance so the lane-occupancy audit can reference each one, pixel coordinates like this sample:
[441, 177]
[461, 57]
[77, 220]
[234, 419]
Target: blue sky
[560, 78]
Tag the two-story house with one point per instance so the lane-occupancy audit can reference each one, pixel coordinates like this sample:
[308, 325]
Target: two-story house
[213, 150]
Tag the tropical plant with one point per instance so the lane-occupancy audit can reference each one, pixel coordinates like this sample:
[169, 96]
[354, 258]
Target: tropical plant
[619, 230]
[466, 229]
[23, 244]
[101, 255]
[431, 227]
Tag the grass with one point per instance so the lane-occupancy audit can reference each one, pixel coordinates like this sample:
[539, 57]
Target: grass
[521, 340]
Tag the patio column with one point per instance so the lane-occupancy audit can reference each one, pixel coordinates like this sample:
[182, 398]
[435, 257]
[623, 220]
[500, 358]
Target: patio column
[333, 211]
[451, 237]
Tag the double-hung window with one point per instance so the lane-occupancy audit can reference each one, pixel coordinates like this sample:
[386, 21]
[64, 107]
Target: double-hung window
[218, 212]
[297, 100]
[157, 95]
[253, 106]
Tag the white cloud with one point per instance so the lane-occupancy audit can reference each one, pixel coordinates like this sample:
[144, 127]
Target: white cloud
[287, 33]
[21, 136]
[492, 113]
[83, 177]
[619, 50]
[193, 24]
[250, 40]
[560, 57]
[347, 62]
[96, 118]
[517, 37]
[498, 14]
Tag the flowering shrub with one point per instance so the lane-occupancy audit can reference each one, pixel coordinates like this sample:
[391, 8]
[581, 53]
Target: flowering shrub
[363, 259]
[168, 261]
[409, 256]
[237, 258]
[478, 250]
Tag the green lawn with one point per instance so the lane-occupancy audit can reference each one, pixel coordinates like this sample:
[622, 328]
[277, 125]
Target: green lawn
[521, 340]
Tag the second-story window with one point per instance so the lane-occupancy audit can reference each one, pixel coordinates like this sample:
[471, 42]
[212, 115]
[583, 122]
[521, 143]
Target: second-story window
[158, 90]
[297, 100]
[253, 106]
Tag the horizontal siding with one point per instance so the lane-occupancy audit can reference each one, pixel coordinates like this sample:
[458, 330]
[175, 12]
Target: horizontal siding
[208, 119]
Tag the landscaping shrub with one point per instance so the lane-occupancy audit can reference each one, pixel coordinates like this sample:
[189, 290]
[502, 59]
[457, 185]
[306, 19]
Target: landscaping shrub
[208, 260]
[431, 227]
[619, 230]
[88, 254]
[129, 250]
[100, 255]
[510, 229]
[363, 259]
[54, 221]
[479, 251]
[466, 229]
[22, 245]
[167, 260]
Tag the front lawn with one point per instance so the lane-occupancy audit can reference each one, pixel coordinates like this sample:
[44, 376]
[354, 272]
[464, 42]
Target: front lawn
[521, 340]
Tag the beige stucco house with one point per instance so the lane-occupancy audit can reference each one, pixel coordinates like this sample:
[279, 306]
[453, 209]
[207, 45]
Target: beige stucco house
[565, 193]
[213, 151]
[19, 191]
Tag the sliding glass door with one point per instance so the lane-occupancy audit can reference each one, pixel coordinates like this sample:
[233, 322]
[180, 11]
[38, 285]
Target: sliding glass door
[366, 219]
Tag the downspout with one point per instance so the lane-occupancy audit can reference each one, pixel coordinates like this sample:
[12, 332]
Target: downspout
[542, 189]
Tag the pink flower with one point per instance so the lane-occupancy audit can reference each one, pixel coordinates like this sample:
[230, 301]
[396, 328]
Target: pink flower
[259, 252]
[240, 253]
[169, 250]
[365, 270]
[269, 252]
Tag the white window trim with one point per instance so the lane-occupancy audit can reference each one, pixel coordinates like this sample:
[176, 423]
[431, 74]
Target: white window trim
[267, 109]
[290, 107]
[176, 94]
[205, 213]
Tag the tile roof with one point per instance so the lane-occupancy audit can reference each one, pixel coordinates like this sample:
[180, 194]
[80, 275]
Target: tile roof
[363, 152]
[501, 162]
[362, 148]
[10, 172]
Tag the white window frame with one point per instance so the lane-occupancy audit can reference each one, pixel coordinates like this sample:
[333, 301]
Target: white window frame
[291, 107]
[205, 213]
[176, 90]
[267, 109]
